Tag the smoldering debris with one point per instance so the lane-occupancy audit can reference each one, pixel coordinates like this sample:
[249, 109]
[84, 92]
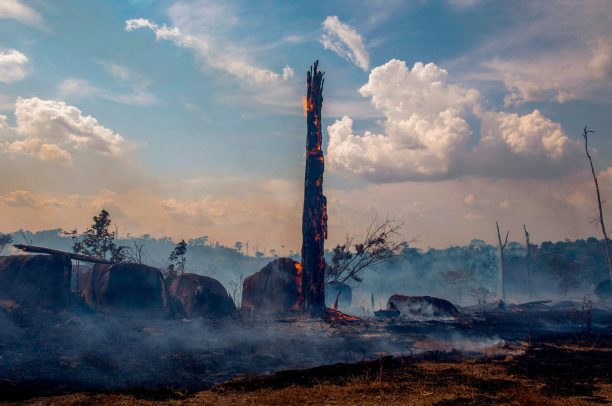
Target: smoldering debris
[49, 353]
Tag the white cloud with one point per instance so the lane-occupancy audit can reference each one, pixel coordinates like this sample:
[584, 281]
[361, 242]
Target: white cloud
[345, 41]
[74, 87]
[425, 133]
[80, 88]
[55, 120]
[531, 134]
[48, 129]
[232, 64]
[201, 17]
[16, 10]
[423, 130]
[549, 54]
[118, 71]
[12, 66]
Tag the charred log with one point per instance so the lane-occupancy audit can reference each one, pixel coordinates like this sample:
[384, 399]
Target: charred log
[76, 257]
[314, 218]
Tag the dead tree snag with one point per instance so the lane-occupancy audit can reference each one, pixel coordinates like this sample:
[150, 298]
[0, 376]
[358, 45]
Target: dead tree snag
[600, 218]
[314, 218]
[502, 248]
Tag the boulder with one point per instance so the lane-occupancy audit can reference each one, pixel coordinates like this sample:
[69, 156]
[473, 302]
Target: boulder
[345, 300]
[36, 281]
[201, 296]
[276, 289]
[422, 307]
[125, 289]
[604, 290]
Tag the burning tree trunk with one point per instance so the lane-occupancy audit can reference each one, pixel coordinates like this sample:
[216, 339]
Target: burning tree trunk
[502, 247]
[314, 218]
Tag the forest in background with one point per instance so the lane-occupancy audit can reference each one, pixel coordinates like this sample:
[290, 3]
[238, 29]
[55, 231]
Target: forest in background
[559, 270]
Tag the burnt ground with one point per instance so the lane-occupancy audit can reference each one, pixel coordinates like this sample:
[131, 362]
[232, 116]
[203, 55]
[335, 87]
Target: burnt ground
[521, 357]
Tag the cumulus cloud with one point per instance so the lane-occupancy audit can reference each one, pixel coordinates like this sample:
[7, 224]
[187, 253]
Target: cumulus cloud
[16, 10]
[47, 129]
[212, 57]
[424, 125]
[425, 133]
[12, 66]
[531, 134]
[345, 41]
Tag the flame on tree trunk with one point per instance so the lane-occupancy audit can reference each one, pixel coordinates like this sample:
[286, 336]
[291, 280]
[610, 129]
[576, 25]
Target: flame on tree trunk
[314, 218]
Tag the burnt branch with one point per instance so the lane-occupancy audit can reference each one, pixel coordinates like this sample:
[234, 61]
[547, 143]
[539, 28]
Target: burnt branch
[379, 245]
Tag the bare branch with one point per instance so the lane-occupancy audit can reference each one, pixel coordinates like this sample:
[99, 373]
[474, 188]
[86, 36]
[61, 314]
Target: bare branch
[350, 259]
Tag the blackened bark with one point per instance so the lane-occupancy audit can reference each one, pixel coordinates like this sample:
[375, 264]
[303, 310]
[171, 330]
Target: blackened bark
[314, 218]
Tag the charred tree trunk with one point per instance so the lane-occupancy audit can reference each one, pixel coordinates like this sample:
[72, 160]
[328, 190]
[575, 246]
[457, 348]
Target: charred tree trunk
[502, 248]
[314, 218]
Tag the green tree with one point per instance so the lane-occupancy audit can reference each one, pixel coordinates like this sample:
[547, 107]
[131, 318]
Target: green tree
[98, 241]
[177, 260]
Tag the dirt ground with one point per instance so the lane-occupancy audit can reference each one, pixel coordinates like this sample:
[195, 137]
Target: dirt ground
[569, 370]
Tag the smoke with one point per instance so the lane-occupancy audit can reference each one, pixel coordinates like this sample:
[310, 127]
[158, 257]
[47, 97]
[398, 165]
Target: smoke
[45, 353]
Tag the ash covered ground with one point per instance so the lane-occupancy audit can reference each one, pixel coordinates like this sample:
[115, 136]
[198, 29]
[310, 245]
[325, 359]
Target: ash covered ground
[51, 354]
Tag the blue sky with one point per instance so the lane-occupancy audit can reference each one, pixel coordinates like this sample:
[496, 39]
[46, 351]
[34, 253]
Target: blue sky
[199, 127]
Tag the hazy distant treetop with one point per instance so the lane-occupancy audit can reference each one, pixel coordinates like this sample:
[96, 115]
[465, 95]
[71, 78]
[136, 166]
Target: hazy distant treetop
[5, 239]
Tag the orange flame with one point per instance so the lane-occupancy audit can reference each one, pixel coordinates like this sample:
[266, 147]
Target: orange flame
[298, 282]
[333, 315]
[307, 104]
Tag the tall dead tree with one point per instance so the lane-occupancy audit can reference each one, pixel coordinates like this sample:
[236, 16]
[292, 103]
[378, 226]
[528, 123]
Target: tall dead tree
[528, 259]
[502, 248]
[600, 219]
[314, 218]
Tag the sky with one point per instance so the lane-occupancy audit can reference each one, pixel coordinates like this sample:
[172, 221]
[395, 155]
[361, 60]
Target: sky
[185, 118]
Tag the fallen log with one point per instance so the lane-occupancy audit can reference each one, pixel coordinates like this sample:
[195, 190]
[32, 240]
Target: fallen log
[76, 257]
